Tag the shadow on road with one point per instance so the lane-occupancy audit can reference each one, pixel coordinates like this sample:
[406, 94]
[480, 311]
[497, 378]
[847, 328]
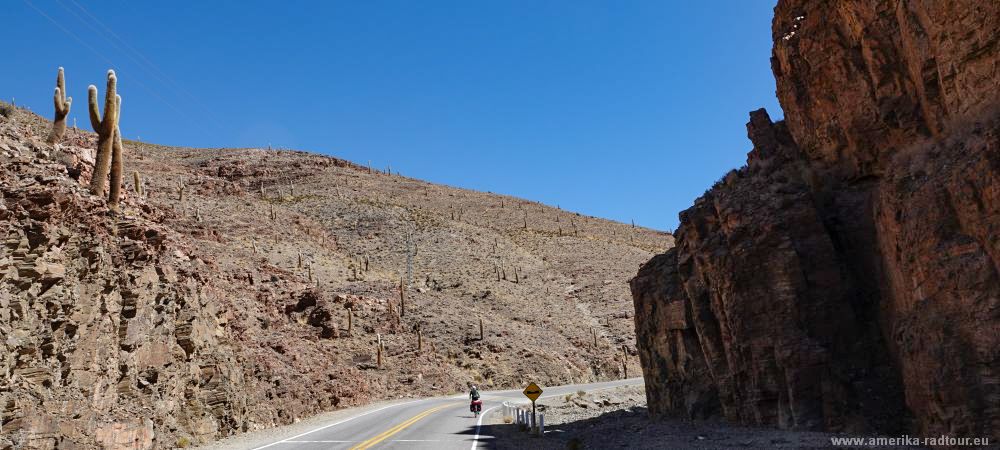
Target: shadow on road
[633, 429]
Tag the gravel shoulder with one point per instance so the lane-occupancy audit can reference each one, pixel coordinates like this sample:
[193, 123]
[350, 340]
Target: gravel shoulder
[616, 418]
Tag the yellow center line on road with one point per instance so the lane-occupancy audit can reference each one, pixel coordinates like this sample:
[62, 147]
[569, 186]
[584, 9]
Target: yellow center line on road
[396, 429]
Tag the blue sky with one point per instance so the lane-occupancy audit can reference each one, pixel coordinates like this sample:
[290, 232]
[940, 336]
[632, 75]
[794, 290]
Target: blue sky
[624, 110]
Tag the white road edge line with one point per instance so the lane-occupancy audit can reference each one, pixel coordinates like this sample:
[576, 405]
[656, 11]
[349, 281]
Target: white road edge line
[479, 423]
[336, 423]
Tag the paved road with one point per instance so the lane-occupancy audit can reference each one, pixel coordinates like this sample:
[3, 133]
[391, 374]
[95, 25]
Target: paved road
[431, 423]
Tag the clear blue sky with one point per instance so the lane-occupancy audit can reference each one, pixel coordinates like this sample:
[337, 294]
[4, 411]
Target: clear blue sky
[615, 109]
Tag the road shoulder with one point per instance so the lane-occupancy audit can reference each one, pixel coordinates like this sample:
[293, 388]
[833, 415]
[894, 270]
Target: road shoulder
[617, 418]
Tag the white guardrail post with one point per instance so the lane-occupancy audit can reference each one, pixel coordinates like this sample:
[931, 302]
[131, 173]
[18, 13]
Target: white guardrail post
[541, 424]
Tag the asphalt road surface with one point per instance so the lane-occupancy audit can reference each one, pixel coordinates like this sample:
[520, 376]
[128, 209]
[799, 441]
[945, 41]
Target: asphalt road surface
[431, 423]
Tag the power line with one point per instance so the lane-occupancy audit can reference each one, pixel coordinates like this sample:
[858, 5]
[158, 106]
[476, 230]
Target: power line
[105, 58]
[151, 68]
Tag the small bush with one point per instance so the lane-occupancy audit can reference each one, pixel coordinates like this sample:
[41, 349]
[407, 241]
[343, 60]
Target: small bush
[7, 110]
[183, 442]
[581, 393]
[568, 397]
[508, 419]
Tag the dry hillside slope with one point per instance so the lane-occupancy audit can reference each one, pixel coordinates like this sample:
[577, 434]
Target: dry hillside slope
[218, 301]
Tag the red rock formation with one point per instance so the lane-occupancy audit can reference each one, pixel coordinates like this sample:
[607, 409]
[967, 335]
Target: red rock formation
[849, 277]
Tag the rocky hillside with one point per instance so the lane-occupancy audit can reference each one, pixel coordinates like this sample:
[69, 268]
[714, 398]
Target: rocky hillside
[246, 288]
[847, 278]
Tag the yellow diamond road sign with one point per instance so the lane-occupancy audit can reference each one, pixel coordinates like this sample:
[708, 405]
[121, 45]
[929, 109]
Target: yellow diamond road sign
[532, 391]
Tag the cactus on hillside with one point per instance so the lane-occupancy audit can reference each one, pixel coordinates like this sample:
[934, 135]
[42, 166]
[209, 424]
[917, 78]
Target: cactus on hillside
[137, 180]
[105, 128]
[402, 298]
[63, 104]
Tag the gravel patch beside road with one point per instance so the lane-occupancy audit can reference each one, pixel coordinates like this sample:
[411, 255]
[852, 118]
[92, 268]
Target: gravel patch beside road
[617, 418]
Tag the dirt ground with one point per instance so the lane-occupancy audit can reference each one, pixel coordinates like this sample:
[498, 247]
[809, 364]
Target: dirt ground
[616, 418]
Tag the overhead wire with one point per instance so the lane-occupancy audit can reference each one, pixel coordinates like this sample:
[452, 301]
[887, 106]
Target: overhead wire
[150, 67]
[111, 63]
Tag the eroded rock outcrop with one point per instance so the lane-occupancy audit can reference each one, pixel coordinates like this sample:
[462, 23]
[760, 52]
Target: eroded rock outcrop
[107, 322]
[847, 277]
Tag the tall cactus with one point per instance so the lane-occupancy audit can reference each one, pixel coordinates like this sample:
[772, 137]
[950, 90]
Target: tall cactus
[63, 104]
[105, 128]
[137, 181]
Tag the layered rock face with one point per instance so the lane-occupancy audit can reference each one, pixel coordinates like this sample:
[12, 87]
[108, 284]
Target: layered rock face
[848, 278]
[106, 323]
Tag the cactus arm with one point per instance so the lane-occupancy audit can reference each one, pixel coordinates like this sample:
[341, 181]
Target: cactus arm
[95, 114]
[116, 159]
[63, 103]
[116, 171]
[61, 83]
[110, 104]
[58, 101]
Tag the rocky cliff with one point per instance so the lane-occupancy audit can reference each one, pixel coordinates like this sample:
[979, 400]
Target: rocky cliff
[848, 277]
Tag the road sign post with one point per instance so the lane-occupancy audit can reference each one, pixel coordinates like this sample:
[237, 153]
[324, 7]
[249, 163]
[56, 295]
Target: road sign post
[532, 392]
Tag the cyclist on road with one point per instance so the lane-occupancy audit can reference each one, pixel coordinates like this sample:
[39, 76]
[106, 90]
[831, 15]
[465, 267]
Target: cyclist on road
[477, 405]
